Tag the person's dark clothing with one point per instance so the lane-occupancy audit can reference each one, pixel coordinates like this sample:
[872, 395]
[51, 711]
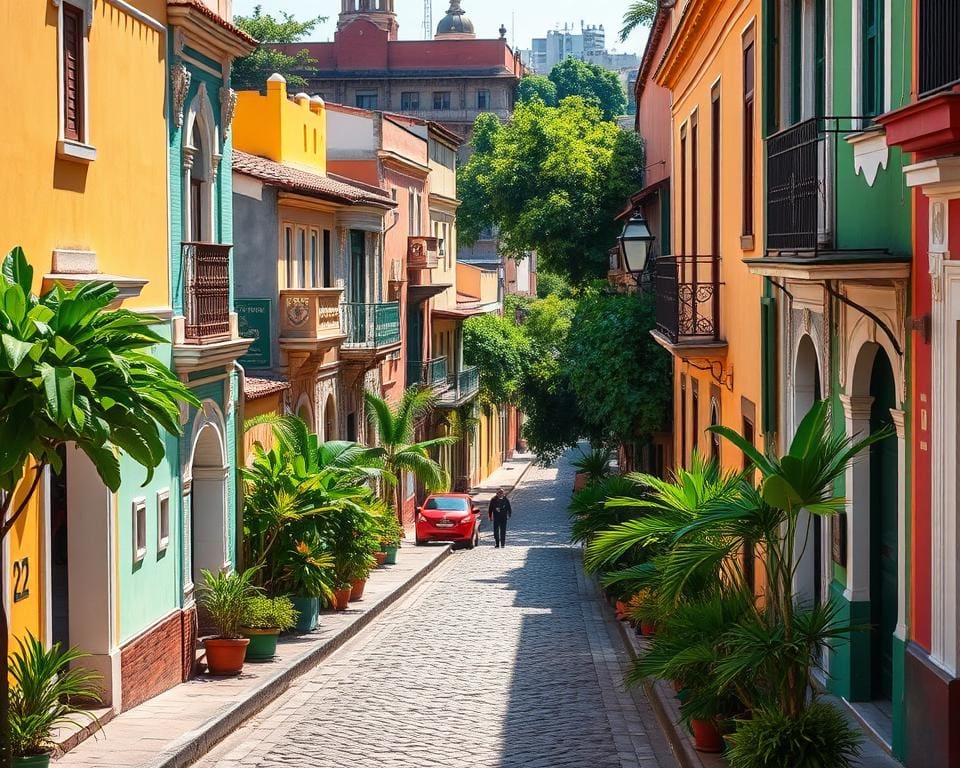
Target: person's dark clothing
[499, 512]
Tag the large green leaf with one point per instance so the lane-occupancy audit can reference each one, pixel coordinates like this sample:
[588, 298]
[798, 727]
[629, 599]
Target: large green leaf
[17, 270]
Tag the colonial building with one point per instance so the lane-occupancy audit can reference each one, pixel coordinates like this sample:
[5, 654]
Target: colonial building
[450, 79]
[837, 258]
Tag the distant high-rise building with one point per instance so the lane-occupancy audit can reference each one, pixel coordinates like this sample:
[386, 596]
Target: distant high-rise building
[588, 44]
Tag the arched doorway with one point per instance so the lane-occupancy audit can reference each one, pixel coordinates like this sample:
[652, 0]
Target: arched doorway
[806, 392]
[884, 478]
[330, 419]
[208, 504]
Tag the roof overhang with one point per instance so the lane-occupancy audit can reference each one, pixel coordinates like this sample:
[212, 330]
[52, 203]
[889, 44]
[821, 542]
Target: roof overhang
[418, 293]
[841, 265]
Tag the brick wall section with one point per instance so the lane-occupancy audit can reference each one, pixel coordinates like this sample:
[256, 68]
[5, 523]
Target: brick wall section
[188, 644]
[148, 665]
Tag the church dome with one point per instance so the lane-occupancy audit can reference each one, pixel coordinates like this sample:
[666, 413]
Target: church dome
[456, 23]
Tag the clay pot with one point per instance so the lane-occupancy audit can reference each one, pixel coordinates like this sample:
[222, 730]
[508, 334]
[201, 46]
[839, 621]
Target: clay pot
[621, 610]
[356, 591]
[706, 736]
[649, 628]
[341, 598]
[381, 558]
[580, 481]
[225, 657]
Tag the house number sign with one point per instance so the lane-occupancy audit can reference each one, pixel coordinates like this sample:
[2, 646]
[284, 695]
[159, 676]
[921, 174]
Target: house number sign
[21, 579]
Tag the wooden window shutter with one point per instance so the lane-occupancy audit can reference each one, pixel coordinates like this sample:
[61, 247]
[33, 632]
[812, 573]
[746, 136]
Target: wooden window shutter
[72, 73]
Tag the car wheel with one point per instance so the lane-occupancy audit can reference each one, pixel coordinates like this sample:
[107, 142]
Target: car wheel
[420, 542]
[472, 543]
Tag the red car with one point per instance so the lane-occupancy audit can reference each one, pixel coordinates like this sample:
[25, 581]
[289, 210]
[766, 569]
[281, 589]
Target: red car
[449, 517]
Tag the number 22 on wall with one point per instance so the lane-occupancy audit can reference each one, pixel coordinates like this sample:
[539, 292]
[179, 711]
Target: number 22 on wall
[21, 579]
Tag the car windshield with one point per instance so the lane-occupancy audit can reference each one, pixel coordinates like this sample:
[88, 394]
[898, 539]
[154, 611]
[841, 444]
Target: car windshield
[448, 505]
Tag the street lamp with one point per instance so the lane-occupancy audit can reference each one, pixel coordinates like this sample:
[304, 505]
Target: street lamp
[635, 242]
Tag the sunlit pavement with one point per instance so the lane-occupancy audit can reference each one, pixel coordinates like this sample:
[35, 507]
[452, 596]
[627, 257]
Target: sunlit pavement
[501, 657]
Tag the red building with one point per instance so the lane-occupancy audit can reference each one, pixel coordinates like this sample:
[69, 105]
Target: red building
[450, 79]
[930, 129]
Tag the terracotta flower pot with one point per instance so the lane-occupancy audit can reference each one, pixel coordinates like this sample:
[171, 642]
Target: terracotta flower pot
[225, 657]
[356, 591]
[580, 481]
[649, 628]
[706, 736]
[381, 558]
[621, 610]
[341, 597]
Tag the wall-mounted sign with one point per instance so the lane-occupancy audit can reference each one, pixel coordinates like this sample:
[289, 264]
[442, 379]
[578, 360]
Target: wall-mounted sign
[254, 320]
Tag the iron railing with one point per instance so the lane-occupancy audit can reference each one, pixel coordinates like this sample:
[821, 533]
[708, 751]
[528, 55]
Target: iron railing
[688, 298]
[427, 373]
[370, 326]
[801, 183]
[206, 291]
[938, 52]
[461, 386]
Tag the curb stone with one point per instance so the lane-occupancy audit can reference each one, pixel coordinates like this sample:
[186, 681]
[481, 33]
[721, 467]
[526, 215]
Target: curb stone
[194, 744]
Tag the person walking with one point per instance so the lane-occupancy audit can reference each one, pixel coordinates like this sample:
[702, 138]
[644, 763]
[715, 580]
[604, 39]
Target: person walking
[499, 512]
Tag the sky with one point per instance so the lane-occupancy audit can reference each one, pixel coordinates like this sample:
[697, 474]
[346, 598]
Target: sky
[525, 19]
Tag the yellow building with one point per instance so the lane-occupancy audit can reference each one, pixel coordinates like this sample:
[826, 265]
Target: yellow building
[708, 304]
[84, 185]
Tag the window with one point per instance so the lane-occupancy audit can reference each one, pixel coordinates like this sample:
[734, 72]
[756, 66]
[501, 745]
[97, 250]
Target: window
[314, 258]
[73, 74]
[871, 23]
[441, 153]
[715, 173]
[288, 254]
[749, 77]
[411, 211]
[483, 99]
[409, 100]
[441, 100]
[163, 519]
[694, 185]
[327, 260]
[139, 529]
[683, 190]
[367, 99]
[301, 262]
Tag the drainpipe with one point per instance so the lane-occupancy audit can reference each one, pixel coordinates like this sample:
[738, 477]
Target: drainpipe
[240, 461]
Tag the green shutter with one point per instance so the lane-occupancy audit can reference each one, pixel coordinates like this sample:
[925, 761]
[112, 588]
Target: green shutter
[768, 363]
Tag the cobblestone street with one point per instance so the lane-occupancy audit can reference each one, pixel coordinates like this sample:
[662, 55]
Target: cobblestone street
[499, 658]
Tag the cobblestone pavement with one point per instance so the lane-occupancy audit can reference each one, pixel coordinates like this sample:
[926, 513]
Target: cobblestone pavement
[500, 658]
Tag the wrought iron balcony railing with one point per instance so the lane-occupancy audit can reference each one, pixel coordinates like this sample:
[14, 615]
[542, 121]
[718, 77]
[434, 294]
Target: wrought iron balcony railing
[802, 187]
[938, 52]
[427, 373]
[206, 292]
[370, 326]
[461, 386]
[688, 298]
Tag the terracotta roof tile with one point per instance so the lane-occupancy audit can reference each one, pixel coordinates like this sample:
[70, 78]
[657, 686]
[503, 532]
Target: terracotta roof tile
[296, 180]
[214, 16]
[254, 388]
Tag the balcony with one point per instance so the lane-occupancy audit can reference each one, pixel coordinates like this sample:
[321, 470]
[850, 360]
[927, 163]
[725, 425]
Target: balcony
[206, 293]
[370, 327]
[688, 302]
[422, 253]
[939, 54]
[461, 388]
[310, 319]
[431, 374]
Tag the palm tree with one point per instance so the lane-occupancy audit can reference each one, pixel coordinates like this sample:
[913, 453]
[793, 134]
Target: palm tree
[639, 14]
[394, 429]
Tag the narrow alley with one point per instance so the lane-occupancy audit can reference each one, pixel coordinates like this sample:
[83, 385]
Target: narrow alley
[499, 658]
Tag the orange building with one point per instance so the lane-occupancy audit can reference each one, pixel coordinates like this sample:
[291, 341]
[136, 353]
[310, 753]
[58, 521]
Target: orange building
[708, 304]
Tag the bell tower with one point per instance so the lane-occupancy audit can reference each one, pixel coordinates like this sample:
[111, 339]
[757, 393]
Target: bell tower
[380, 12]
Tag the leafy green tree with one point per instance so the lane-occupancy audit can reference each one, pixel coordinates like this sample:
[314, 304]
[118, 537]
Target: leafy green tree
[550, 283]
[251, 72]
[620, 375]
[638, 14]
[394, 430]
[72, 370]
[573, 77]
[552, 180]
[537, 87]
[500, 350]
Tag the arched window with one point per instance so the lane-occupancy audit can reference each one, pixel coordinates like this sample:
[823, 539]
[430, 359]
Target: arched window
[200, 159]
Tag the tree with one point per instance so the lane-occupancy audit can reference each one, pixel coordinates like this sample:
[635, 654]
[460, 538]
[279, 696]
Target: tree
[551, 283]
[537, 87]
[500, 350]
[638, 14]
[573, 77]
[620, 375]
[394, 428]
[552, 180]
[251, 72]
[73, 371]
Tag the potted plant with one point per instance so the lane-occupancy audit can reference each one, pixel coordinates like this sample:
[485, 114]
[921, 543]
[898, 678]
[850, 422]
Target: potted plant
[265, 618]
[591, 467]
[306, 575]
[224, 597]
[391, 534]
[44, 696]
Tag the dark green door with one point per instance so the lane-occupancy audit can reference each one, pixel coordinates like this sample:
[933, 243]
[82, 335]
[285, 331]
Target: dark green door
[358, 286]
[883, 530]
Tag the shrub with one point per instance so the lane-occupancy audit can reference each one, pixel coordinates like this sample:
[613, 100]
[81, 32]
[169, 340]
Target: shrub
[270, 613]
[819, 737]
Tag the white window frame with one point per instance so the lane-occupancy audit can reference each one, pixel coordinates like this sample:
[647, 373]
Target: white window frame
[138, 509]
[163, 517]
[70, 149]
